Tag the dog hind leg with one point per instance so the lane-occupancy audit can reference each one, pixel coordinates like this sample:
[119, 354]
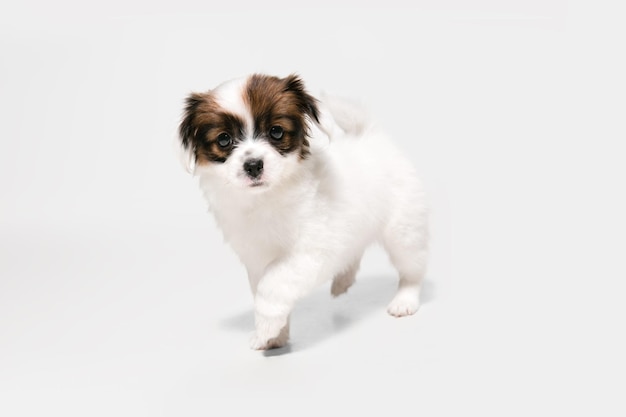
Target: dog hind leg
[405, 241]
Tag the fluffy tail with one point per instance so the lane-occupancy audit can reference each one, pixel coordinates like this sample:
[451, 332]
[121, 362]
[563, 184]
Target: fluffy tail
[340, 116]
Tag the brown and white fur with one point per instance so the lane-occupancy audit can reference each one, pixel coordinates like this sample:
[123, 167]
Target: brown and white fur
[300, 188]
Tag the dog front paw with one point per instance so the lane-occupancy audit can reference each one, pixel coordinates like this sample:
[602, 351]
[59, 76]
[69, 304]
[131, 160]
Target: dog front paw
[263, 343]
[271, 333]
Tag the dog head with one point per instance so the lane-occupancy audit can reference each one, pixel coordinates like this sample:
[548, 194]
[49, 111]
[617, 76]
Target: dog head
[251, 133]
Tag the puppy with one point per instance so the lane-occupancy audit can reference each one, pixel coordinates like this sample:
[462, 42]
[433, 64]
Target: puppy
[300, 188]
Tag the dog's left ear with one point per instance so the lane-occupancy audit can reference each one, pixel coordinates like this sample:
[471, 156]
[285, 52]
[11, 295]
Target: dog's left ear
[306, 102]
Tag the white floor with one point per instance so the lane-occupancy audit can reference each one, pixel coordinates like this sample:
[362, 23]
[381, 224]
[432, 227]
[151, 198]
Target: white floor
[109, 300]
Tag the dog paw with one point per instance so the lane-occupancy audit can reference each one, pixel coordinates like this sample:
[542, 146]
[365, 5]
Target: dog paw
[340, 286]
[263, 343]
[270, 333]
[342, 282]
[403, 304]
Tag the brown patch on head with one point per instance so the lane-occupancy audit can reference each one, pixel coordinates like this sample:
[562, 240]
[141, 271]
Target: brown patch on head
[204, 121]
[283, 103]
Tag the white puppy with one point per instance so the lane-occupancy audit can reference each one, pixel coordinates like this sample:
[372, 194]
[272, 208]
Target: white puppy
[300, 188]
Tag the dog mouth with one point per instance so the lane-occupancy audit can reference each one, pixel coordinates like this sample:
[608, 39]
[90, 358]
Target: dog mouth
[257, 183]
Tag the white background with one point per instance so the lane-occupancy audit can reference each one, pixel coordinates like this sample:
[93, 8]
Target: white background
[118, 298]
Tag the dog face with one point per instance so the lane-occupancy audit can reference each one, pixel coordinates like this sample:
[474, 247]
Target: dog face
[251, 132]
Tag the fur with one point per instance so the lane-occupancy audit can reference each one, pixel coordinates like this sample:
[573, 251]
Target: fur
[330, 184]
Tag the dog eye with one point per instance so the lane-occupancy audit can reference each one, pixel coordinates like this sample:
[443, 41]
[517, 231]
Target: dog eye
[224, 140]
[276, 132]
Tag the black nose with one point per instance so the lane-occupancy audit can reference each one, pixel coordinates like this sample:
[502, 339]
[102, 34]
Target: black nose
[254, 167]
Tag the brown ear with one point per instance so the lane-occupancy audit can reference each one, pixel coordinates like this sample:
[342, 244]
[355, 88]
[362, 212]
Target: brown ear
[306, 102]
[188, 126]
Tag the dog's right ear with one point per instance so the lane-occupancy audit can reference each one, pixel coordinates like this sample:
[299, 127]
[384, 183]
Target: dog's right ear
[188, 130]
[188, 127]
